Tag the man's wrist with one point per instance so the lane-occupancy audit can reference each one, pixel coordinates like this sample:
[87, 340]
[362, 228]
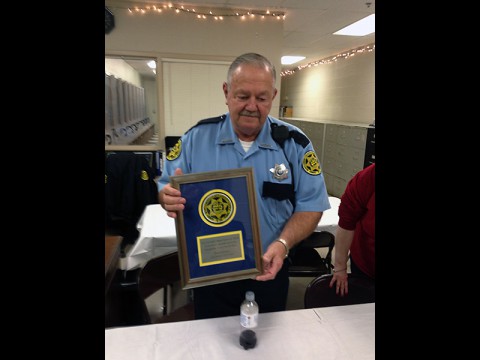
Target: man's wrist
[284, 244]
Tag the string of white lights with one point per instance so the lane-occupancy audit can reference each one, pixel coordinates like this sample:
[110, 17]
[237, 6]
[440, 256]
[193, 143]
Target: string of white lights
[204, 13]
[331, 59]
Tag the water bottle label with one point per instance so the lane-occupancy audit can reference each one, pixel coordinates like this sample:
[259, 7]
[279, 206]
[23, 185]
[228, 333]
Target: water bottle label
[248, 321]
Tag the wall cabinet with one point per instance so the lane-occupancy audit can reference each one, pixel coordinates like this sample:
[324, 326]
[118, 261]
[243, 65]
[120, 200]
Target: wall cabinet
[343, 155]
[314, 131]
[370, 147]
[343, 150]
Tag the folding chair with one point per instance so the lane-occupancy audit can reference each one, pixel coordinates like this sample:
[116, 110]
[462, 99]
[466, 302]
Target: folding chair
[318, 293]
[161, 273]
[306, 261]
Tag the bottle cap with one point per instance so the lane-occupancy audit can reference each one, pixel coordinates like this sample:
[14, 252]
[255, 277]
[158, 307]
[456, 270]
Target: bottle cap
[250, 295]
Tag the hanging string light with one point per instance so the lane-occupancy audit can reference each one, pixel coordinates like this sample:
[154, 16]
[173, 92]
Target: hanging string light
[205, 12]
[332, 59]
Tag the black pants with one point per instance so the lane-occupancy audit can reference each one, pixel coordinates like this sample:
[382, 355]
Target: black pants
[224, 299]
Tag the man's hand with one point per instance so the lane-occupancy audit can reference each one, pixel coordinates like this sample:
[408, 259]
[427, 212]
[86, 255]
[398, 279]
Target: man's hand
[272, 261]
[171, 199]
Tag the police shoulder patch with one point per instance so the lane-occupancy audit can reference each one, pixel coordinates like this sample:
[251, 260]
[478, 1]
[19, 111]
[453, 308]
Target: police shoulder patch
[310, 163]
[175, 151]
[144, 175]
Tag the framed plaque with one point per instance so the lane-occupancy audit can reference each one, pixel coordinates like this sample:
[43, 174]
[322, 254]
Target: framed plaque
[218, 233]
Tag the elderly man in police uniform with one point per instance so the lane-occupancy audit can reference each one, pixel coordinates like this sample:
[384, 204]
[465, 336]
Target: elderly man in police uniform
[289, 182]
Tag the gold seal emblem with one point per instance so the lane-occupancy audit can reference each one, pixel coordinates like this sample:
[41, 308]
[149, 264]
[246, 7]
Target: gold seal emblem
[176, 150]
[310, 163]
[217, 208]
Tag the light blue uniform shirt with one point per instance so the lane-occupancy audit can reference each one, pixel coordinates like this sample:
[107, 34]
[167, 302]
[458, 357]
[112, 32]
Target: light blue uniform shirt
[215, 146]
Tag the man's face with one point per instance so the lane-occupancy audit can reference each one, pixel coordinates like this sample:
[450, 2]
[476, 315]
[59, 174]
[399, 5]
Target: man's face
[249, 99]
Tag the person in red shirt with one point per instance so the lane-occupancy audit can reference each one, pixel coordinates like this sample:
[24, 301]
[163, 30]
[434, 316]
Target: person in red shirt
[355, 236]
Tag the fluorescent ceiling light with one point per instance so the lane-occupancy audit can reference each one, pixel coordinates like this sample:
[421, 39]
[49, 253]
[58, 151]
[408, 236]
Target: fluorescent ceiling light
[288, 60]
[362, 27]
[152, 64]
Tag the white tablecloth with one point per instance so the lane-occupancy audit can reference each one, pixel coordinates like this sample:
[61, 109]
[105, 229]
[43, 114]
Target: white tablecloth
[340, 333]
[329, 220]
[157, 237]
[158, 234]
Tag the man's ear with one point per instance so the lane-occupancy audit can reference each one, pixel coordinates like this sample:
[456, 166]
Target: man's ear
[274, 93]
[225, 89]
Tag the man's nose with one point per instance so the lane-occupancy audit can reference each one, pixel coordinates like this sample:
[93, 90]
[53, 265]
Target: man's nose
[252, 104]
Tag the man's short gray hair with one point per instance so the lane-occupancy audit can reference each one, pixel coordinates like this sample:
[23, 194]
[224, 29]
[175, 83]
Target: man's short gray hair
[251, 59]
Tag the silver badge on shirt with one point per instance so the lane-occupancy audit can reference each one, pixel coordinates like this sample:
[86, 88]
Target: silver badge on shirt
[280, 172]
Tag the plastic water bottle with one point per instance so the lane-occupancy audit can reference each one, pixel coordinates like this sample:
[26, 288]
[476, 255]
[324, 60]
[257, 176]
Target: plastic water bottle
[248, 320]
[249, 311]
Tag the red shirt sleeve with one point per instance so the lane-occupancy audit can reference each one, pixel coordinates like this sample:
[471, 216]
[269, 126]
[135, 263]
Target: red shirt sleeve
[354, 200]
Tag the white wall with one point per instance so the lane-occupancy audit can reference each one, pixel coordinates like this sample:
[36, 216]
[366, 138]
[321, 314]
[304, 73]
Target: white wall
[192, 91]
[343, 91]
[151, 101]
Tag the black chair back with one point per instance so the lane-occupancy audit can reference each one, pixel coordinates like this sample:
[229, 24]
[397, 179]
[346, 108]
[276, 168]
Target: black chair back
[160, 273]
[306, 261]
[318, 293]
